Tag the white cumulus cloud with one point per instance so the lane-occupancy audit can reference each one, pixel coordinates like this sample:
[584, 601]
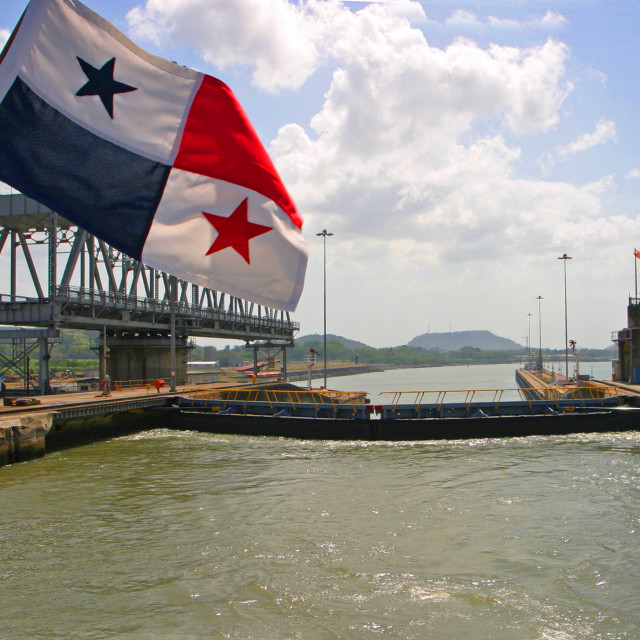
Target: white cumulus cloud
[414, 158]
[279, 39]
[463, 18]
[401, 141]
[467, 19]
[551, 20]
[4, 36]
[605, 131]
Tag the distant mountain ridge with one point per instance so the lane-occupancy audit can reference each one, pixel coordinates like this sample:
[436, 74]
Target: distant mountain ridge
[452, 341]
[455, 340]
[350, 344]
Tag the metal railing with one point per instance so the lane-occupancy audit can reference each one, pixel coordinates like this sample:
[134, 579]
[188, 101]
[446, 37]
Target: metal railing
[551, 394]
[123, 301]
[621, 335]
[6, 298]
[95, 344]
[293, 398]
[124, 385]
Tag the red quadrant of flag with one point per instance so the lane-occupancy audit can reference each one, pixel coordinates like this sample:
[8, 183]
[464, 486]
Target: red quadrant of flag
[235, 231]
[220, 142]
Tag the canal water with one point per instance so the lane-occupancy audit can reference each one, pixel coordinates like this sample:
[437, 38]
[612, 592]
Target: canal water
[475, 377]
[170, 534]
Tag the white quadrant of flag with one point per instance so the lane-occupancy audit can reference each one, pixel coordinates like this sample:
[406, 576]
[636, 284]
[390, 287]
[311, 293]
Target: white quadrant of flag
[180, 237]
[52, 70]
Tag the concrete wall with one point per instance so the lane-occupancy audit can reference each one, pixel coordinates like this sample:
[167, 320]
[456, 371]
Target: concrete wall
[629, 346]
[146, 361]
[23, 438]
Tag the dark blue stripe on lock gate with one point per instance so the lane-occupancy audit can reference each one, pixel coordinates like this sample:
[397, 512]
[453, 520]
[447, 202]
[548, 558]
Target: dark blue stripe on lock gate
[103, 188]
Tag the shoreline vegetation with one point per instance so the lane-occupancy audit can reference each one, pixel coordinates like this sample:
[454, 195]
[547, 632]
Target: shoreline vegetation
[336, 370]
[76, 355]
[406, 356]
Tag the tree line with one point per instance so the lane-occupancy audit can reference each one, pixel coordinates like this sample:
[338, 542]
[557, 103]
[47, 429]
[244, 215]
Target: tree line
[76, 352]
[417, 356]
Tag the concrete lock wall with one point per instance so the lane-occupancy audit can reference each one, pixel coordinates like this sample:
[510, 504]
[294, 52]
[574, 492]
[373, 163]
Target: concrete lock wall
[633, 316]
[146, 363]
[23, 438]
[628, 368]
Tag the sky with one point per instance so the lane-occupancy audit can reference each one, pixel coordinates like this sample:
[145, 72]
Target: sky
[455, 151]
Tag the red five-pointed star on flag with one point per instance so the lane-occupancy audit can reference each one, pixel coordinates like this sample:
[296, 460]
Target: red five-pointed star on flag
[234, 231]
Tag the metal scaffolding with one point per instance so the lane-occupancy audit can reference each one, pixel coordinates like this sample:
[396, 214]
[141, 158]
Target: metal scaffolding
[90, 285]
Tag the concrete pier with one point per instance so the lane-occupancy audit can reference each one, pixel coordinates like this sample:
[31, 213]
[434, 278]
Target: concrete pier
[26, 432]
[65, 419]
[139, 356]
[538, 386]
[23, 437]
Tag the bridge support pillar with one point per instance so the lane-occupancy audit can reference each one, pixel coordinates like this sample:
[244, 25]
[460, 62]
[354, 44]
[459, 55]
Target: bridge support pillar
[271, 350]
[146, 358]
[43, 370]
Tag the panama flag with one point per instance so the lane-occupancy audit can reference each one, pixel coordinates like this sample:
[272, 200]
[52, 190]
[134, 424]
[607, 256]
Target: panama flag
[158, 160]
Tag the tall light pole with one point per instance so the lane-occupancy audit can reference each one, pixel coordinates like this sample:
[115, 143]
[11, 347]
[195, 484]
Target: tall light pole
[539, 299]
[564, 257]
[324, 233]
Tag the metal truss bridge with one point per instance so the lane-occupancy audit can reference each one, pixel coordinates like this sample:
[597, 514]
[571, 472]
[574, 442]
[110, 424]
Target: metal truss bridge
[60, 276]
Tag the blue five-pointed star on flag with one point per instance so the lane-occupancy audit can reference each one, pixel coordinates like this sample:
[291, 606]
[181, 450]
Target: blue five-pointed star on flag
[101, 83]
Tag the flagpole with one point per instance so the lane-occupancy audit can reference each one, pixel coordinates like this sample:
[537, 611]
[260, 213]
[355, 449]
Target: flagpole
[635, 264]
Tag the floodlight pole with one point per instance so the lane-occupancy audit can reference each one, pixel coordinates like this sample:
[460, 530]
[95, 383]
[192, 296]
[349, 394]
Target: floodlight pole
[539, 299]
[173, 286]
[564, 257]
[324, 233]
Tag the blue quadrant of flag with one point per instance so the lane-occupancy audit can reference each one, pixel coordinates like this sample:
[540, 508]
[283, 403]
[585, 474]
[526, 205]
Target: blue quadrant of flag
[104, 188]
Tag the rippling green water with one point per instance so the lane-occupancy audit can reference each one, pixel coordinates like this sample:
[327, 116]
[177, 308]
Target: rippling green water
[186, 535]
[172, 535]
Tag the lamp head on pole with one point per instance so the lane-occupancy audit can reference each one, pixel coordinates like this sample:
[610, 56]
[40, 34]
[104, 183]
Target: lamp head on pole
[324, 233]
[564, 256]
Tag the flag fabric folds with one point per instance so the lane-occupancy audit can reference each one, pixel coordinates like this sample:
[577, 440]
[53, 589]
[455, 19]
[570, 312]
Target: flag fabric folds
[636, 253]
[156, 159]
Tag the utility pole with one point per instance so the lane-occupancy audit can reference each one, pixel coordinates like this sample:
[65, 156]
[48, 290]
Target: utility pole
[564, 257]
[324, 233]
[539, 299]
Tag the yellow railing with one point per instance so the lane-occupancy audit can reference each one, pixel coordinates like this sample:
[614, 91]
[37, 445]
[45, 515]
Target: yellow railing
[272, 396]
[225, 375]
[123, 385]
[581, 392]
[553, 394]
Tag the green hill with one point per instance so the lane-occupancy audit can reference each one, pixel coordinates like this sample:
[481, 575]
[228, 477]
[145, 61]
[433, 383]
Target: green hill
[315, 337]
[455, 340]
